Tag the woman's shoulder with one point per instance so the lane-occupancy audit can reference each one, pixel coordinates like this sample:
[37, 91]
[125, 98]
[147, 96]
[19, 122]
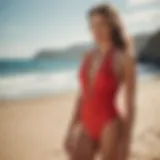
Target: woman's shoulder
[125, 57]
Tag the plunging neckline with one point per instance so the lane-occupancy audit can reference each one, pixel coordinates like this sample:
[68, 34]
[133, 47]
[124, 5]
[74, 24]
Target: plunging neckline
[92, 78]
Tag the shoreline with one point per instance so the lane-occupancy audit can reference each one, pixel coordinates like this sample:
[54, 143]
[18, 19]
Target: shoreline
[154, 77]
[33, 86]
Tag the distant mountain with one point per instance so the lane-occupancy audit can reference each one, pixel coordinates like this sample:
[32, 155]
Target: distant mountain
[147, 49]
[140, 41]
[73, 52]
[151, 51]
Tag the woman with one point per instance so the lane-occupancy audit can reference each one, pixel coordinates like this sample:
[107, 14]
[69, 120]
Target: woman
[96, 126]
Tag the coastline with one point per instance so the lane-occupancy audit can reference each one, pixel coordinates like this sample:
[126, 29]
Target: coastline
[33, 129]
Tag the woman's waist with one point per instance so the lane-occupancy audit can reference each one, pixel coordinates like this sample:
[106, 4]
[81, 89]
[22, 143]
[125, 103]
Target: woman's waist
[106, 101]
[98, 107]
[98, 113]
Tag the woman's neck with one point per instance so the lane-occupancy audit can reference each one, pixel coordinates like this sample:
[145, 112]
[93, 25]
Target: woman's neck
[105, 47]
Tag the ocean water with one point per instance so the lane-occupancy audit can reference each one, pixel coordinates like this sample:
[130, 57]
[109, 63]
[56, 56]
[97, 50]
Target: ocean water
[32, 78]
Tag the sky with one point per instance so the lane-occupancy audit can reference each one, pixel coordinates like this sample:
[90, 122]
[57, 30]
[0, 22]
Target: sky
[28, 26]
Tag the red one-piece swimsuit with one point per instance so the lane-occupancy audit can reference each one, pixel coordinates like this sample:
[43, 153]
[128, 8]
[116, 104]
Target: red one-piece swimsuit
[98, 100]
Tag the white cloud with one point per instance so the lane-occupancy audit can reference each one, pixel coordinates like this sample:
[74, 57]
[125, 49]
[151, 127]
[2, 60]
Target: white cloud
[140, 2]
[141, 16]
[145, 18]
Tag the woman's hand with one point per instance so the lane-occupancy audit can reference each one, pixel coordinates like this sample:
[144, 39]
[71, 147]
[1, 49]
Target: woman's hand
[72, 138]
[68, 142]
[126, 133]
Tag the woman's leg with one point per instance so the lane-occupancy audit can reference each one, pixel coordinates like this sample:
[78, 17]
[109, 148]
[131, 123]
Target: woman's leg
[109, 140]
[84, 147]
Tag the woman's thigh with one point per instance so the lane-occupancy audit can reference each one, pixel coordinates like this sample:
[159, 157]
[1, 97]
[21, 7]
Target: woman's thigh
[109, 140]
[84, 148]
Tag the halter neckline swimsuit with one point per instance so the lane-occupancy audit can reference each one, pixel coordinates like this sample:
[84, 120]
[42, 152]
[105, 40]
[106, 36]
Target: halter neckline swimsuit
[98, 99]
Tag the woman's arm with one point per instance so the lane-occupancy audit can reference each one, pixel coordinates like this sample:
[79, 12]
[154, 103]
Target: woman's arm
[76, 113]
[127, 118]
[75, 119]
[129, 91]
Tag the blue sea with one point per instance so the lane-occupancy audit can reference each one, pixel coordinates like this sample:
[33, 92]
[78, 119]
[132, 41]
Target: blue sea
[32, 78]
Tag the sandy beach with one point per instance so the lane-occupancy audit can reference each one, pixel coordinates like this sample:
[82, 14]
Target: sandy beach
[34, 129]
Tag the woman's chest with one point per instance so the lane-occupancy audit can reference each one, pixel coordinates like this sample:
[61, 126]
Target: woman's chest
[100, 78]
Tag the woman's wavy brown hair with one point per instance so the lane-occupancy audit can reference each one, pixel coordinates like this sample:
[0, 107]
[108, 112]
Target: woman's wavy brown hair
[118, 35]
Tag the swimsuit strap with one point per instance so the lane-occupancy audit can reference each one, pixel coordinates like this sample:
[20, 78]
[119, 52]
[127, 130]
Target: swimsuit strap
[110, 58]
